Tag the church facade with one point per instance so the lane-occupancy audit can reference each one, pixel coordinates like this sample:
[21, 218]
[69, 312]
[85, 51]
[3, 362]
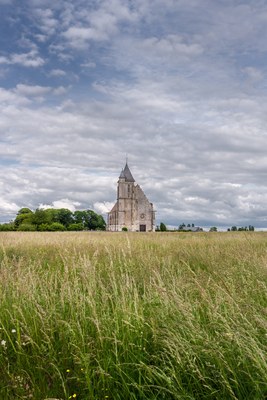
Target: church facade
[132, 209]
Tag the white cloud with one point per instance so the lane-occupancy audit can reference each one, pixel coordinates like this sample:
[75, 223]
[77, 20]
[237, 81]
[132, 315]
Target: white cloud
[30, 90]
[46, 21]
[30, 59]
[57, 72]
[63, 203]
[103, 208]
[79, 36]
[88, 65]
[59, 91]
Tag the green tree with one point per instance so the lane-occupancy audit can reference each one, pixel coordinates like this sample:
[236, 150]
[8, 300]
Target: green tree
[41, 217]
[213, 229]
[76, 227]
[79, 217]
[162, 227]
[56, 226]
[94, 221]
[64, 216]
[24, 216]
[10, 226]
[26, 227]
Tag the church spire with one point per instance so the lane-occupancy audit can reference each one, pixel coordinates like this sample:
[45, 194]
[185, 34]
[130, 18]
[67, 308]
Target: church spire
[127, 174]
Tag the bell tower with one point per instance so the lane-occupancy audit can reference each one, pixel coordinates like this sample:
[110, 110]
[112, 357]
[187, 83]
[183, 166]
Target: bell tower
[132, 209]
[125, 198]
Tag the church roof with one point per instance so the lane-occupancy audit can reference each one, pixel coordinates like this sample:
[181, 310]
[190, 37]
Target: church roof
[122, 176]
[127, 174]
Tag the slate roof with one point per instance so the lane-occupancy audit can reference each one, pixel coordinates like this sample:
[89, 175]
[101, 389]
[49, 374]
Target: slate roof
[126, 173]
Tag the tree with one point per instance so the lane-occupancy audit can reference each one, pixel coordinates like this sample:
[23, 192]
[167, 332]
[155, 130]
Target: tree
[54, 219]
[10, 226]
[213, 229]
[24, 216]
[56, 226]
[234, 228]
[26, 227]
[79, 217]
[41, 217]
[162, 227]
[64, 216]
[94, 221]
[76, 227]
[181, 227]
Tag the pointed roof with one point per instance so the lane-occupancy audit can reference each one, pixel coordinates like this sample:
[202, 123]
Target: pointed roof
[122, 176]
[127, 174]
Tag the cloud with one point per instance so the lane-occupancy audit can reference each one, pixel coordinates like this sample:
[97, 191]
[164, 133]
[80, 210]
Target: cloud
[47, 22]
[37, 91]
[30, 90]
[57, 73]
[63, 203]
[30, 59]
[103, 208]
[79, 36]
[255, 74]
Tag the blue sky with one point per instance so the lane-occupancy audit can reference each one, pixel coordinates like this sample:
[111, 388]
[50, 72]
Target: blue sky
[178, 85]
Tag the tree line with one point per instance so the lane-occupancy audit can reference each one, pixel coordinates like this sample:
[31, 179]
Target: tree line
[55, 220]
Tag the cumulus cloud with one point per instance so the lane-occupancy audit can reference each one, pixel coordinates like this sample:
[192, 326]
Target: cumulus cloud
[30, 90]
[57, 72]
[103, 208]
[63, 203]
[30, 59]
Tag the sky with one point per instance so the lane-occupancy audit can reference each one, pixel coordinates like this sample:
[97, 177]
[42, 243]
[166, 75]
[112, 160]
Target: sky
[180, 86]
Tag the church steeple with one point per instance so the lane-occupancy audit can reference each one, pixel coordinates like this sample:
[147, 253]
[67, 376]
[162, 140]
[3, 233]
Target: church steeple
[122, 176]
[127, 174]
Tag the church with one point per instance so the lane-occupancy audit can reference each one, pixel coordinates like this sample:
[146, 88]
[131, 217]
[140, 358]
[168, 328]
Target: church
[132, 209]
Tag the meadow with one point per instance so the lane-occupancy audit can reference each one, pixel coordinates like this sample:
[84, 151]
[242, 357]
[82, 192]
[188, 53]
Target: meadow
[98, 315]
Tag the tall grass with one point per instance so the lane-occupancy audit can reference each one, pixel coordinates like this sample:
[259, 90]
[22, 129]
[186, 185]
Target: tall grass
[133, 316]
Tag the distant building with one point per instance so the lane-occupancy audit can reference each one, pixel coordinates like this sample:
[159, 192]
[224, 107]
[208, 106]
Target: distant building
[193, 229]
[132, 209]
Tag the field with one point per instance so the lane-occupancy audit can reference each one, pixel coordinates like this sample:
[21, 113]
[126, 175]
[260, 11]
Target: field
[133, 316]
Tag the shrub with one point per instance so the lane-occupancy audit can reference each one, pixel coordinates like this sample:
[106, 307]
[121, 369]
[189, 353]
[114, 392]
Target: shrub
[76, 227]
[56, 226]
[26, 227]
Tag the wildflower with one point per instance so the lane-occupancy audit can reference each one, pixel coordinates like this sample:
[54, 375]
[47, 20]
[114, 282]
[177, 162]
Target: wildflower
[67, 370]
[3, 343]
[13, 330]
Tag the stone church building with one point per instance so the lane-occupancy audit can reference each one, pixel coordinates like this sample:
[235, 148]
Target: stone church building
[132, 209]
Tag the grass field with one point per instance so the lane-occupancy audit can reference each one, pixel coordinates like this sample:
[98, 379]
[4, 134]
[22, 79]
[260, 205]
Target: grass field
[133, 316]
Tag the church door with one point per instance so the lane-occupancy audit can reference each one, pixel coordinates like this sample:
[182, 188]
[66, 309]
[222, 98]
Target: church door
[142, 228]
